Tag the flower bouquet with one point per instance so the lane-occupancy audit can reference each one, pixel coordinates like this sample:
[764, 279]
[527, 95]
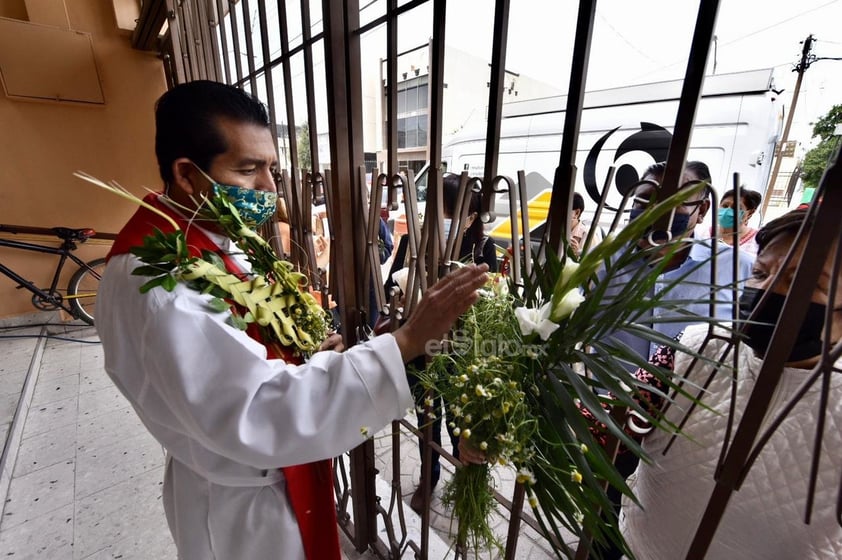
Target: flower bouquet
[510, 376]
[273, 296]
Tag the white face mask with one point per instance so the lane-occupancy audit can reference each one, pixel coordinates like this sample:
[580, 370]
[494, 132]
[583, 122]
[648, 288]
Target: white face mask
[447, 223]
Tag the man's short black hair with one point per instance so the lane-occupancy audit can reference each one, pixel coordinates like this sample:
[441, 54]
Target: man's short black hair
[578, 202]
[698, 168]
[187, 122]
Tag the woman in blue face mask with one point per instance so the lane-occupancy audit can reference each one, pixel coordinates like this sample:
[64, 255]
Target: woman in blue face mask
[730, 216]
[765, 518]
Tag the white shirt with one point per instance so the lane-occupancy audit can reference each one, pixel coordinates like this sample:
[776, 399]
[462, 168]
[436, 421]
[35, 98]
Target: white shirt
[228, 417]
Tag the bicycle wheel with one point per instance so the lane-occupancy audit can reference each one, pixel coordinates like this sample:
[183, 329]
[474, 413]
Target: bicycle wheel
[81, 292]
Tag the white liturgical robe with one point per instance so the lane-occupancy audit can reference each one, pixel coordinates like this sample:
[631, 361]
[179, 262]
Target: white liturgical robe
[228, 417]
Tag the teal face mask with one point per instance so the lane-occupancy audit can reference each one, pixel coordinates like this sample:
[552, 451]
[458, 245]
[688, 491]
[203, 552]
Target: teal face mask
[726, 217]
[255, 207]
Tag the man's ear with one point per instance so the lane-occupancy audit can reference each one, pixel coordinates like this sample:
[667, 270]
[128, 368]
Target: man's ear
[703, 209]
[185, 176]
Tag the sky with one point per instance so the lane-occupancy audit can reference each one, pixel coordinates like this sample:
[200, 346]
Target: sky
[635, 41]
[649, 40]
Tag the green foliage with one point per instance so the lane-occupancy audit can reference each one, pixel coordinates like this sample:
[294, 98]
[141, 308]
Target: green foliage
[305, 160]
[512, 378]
[274, 296]
[815, 161]
[825, 126]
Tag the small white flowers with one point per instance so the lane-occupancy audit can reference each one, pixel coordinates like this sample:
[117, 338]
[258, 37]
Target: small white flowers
[525, 476]
[538, 321]
[500, 286]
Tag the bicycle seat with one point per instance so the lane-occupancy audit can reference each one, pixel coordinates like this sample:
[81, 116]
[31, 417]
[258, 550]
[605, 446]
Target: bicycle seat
[69, 234]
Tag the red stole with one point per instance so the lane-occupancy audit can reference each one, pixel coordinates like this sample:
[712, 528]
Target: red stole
[309, 486]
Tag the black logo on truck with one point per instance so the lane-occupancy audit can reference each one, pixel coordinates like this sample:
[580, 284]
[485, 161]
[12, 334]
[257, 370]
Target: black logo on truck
[651, 139]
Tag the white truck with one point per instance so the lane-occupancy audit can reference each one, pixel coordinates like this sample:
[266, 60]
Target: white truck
[736, 127]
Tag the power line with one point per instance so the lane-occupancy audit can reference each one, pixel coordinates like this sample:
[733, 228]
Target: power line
[768, 27]
[747, 35]
[623, 38]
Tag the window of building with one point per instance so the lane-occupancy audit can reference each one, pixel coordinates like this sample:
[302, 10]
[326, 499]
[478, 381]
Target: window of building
[412, 113]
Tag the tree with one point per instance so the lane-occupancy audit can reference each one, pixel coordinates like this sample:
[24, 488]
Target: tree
[303, 141]
[815, 160]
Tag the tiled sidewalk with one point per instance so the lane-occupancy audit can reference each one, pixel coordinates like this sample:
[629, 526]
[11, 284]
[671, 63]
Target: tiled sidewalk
[86, 480]
[84, 476]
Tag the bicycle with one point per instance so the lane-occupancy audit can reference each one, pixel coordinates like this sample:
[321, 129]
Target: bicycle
[80, 297]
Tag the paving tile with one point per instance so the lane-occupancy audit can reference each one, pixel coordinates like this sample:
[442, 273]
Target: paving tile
[50, 416]
[37, 493]
[8, 405]
[101, 467]
[101, 401]
[48, 536]
[51, 390]
[151, 541]
[43, 450]
[118, 512]
[108, 428]
[93, 378]
[11, 383]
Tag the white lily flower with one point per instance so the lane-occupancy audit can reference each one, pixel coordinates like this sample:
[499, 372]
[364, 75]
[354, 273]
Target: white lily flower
[569, 268]
[538, 321]
[567, 304]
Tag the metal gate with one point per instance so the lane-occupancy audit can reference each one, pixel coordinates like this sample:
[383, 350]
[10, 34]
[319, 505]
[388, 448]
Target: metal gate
[304, 59]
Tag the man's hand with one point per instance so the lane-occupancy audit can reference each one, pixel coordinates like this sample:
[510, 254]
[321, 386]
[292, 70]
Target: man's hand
[469, 454]
[439, 308]
[332, 342]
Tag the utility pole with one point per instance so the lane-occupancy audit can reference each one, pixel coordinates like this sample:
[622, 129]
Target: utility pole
[806, 60]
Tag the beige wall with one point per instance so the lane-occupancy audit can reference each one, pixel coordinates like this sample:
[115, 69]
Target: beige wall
[42, 143]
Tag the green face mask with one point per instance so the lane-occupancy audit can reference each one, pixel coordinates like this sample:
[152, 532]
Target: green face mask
[255, 207]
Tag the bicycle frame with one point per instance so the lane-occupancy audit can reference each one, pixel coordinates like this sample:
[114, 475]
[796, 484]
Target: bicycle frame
[64, 252]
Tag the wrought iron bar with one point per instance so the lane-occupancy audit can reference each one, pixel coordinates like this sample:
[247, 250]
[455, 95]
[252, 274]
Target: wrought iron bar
[223, 41]
[192, 45]
[565, 175]
[289, 101]
[392, 96]
[252, 76]
[205, 23]
[495, 108]
[175, 38]
[342, 57]
[267, 76]
[235, 38]
[309, 85]
[691, 91]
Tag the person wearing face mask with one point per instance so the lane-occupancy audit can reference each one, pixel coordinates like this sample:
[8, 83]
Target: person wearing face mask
[686, 278]
[764, 519]
[247, 423]
[687, 275]
[476, 248]
[729, 216]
